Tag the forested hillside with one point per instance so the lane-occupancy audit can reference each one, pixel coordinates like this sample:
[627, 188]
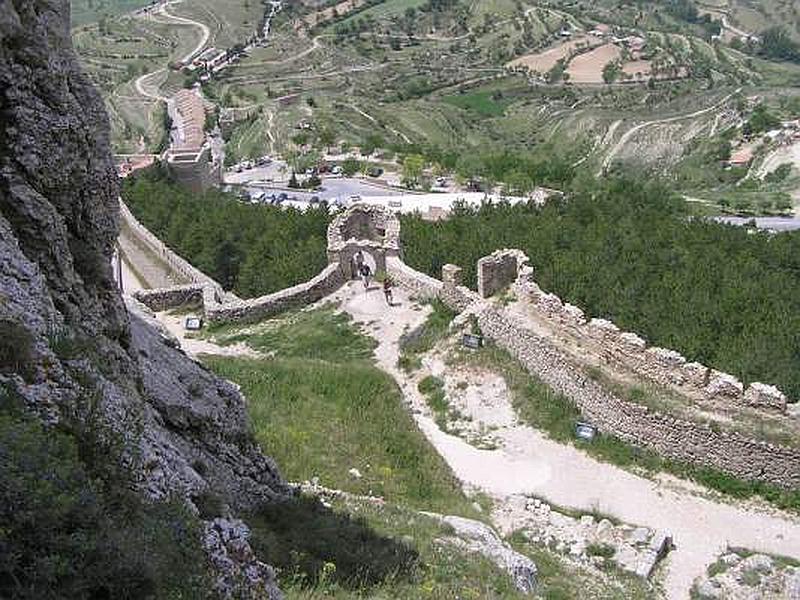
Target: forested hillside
[726, 296]
[252, 250]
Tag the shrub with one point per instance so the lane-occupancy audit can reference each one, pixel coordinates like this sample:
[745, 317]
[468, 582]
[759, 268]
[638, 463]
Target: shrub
[66, 534]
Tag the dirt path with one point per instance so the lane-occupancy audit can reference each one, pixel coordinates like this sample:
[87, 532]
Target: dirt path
[142, 81]
[170, 19]
[526, 462]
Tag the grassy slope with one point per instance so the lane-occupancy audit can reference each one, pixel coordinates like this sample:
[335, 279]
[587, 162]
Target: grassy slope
[320, 407]
[89, 11]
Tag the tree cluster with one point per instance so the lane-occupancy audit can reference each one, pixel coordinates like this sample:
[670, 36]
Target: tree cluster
[627, 251]
[251, 249]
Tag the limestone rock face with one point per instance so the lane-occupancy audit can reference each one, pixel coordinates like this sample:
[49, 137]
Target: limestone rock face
[65, 333]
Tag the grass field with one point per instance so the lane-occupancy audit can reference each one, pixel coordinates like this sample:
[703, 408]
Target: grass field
[320, 407]
[90, 11]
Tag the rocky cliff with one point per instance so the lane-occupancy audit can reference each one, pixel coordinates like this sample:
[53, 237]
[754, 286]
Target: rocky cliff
[70, 350]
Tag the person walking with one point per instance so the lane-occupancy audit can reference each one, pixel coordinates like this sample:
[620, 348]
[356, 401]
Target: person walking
[387, 290]
[358, 260]
[365, 273]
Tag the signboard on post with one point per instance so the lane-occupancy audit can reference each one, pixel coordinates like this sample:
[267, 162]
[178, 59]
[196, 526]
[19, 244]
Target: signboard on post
[472, 340]
[585, 431]
[193, 324]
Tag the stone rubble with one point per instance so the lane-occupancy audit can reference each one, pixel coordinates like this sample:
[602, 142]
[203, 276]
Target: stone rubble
[739, 576]
[474, 536]
[586, 539]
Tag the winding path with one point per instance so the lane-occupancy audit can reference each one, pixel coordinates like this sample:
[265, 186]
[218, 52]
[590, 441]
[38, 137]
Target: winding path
[529, 463]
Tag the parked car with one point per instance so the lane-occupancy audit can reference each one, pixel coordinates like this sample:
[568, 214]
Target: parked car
[441, 181]
[283, 196]
[337, 170]
[374, 171]
[314, 200]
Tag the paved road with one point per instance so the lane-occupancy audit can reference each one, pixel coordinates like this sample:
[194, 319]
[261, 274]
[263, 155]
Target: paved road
[769, 223]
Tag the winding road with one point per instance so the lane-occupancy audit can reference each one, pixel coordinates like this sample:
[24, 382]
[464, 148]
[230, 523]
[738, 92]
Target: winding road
[169, 19]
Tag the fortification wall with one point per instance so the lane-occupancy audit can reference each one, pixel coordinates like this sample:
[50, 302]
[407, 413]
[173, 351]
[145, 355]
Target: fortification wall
[326, 282]
[499, 270]
[419, 284]
[661, 365]
[146, 238]
[671, 437]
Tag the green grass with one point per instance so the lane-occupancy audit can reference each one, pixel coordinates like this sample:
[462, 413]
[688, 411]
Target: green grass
[386, 552]
[483, 103]
[542, 408]
[89, 11]
[320, 407]
[417, 342]
[433, 389]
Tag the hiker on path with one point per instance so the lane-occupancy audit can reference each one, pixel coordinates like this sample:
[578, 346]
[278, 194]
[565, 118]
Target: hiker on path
[365, 273]
[358, 260]
[387, 290]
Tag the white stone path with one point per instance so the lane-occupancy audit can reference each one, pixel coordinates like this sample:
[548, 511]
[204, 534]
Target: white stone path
[529, 463]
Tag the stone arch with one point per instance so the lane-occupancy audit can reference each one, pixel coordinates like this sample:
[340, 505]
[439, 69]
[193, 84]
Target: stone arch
[372, 230]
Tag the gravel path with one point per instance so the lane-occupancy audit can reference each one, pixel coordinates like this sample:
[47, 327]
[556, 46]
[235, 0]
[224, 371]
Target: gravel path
[528, 463]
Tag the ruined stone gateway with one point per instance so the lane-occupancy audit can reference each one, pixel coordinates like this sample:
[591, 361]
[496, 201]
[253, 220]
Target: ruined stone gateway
[375, 230]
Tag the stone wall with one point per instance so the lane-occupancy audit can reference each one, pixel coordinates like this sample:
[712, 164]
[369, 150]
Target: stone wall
[419, 284]
[172, 297]
[671, 437]
[499, 270]
[164, 252]
[629, 350]
[327, 282]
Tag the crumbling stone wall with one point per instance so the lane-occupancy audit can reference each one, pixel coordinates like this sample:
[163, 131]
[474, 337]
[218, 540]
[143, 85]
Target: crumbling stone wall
[671, 437]
[373, 229]
[660, 365]
[172, 297]
[499, 270]
[419, 284]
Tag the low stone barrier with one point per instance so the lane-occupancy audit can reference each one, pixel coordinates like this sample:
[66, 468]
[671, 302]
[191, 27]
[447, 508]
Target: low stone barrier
[420, 285]
[327, 282]
[159, 299]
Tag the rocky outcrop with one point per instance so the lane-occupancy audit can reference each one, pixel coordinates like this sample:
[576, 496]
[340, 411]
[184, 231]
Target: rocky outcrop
[474, 536]
[68, 346]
